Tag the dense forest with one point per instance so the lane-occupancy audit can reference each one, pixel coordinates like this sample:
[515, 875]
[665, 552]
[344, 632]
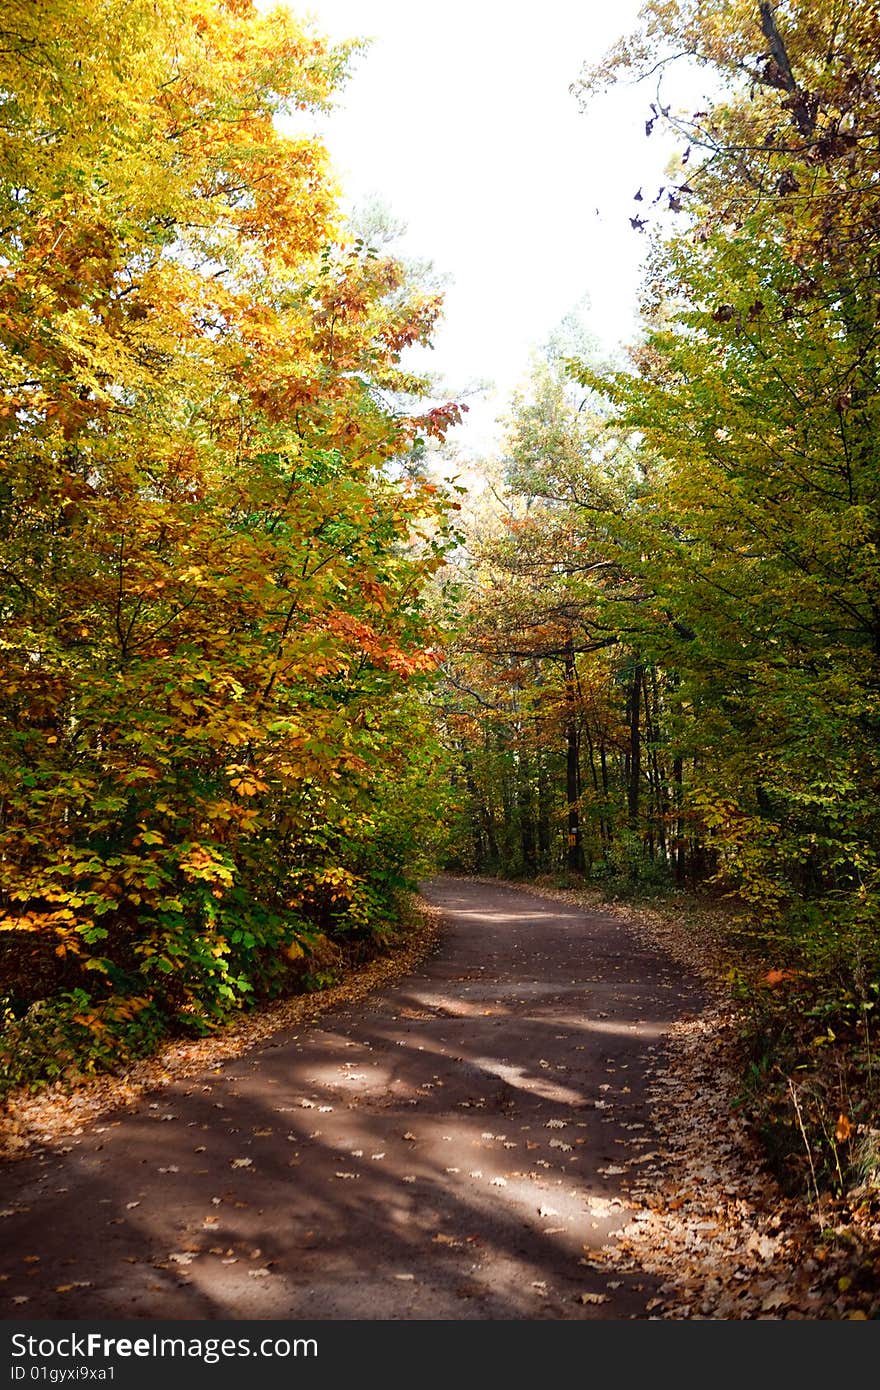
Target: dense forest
[667, 663]
[216, 534]
[262, 667]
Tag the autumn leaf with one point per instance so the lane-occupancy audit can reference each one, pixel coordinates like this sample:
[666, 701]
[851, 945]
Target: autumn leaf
[776, 977]
[843, 1129]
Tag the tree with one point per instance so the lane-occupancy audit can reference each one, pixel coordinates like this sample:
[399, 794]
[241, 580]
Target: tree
[754, 395]
[572, 713]
[213, 600]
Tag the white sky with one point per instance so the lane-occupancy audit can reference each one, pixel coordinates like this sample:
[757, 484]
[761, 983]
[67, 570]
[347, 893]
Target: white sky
[460, 119]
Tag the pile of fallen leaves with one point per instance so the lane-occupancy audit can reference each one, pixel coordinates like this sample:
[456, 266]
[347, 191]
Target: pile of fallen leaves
[34, 1118]
[708, 1215]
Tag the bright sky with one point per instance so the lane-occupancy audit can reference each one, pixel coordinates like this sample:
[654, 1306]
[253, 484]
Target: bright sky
[460, 119]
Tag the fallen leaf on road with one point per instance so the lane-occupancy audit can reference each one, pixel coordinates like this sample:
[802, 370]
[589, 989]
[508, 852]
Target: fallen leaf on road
[778, 1298]
[592, 1298]
[242, 1163]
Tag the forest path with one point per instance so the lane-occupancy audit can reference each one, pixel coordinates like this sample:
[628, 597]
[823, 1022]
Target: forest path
[454, 1146]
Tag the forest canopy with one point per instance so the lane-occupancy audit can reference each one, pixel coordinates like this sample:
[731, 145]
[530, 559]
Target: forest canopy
[215, 531]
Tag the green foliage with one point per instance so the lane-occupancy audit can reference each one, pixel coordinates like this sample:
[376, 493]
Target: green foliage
[670, 655]
[215, 539]
[73, 1035]
[559, 728]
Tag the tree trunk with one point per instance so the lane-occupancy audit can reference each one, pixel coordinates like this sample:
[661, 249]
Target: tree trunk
[526, 813]
[574, 857]
[544, 844]
[677, 769]
[634, 761]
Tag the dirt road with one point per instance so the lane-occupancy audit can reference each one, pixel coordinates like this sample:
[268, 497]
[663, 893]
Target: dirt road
[452, 1147]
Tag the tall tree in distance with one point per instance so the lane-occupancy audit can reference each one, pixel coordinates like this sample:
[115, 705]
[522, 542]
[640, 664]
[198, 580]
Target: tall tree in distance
[550, 647]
